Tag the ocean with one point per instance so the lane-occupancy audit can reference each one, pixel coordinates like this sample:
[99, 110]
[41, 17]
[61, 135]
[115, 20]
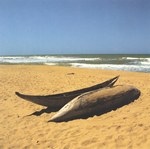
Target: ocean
[127, 62]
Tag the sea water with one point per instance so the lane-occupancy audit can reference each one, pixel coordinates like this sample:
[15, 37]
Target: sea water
[127, 62]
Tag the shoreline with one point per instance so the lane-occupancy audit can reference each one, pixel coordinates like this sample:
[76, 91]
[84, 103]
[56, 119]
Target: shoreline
[126, 127]
[68, 66]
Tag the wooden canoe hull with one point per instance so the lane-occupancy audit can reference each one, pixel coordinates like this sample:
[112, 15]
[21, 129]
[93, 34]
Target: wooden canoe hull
[59, 100]
[96, 102]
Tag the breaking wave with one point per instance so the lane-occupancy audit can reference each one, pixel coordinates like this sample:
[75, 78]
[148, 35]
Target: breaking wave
[138, 68]
[42, 59]
[136, 58]
[112, 62]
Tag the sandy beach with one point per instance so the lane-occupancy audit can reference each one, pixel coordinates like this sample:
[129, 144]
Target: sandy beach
[127, 127]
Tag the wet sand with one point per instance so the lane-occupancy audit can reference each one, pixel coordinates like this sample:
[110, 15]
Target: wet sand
[126, 127]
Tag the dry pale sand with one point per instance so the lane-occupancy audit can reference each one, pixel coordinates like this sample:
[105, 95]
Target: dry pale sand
[127, 127]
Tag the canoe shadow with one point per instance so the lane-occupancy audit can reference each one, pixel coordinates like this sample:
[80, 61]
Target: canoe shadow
[47, 110]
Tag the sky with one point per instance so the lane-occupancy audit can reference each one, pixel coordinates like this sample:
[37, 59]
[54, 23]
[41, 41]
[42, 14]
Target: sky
[74, 27]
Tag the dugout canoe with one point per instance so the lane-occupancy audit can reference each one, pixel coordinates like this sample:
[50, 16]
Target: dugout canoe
[96, 102]
[59, 100]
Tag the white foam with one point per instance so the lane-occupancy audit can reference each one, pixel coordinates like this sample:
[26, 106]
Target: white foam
[63, 58]
[10, 57]
[114, 67]
[145, 63]
[136, 58]
[44, 59]
[130, 58]
[148, 59]
[51, 64]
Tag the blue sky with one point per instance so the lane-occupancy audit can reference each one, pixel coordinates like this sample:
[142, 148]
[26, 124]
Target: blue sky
[74, 26]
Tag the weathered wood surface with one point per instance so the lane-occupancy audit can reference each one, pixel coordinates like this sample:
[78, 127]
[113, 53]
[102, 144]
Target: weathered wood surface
[97, 102]
[59, 100]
